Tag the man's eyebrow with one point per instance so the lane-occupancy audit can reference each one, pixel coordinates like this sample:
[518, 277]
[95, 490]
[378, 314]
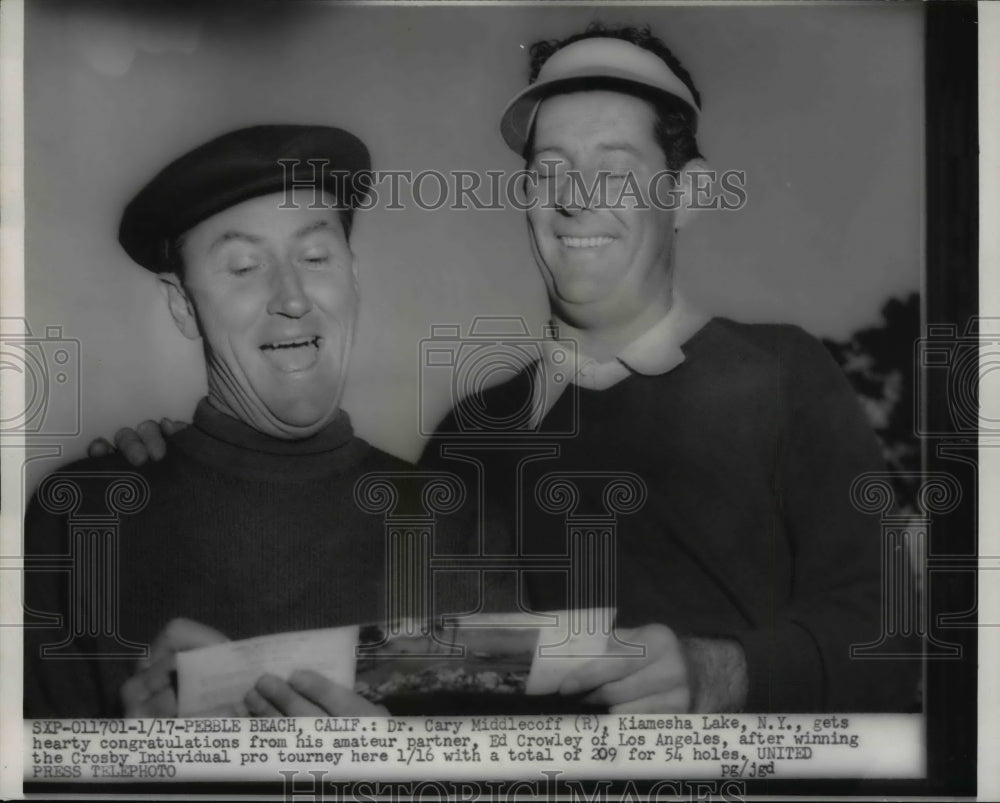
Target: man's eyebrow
[619, 146]
[546, 149]
[229, 236]
[309, 228]
[253, 239]
[604, 147]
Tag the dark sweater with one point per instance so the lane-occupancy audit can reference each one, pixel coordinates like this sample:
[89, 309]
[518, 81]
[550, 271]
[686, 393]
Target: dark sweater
[243, 532]
[748, 450]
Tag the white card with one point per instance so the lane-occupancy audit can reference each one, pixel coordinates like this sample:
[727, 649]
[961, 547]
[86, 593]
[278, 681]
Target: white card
[213, 681]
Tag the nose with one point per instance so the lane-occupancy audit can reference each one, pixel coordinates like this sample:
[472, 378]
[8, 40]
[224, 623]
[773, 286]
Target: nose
[574, 193]
[289, 297]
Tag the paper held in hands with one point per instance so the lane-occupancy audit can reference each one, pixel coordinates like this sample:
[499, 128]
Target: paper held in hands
[213, 681]
[561, 649]
[480, 654]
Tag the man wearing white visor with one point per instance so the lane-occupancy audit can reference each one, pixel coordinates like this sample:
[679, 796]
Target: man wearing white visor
[748, 574]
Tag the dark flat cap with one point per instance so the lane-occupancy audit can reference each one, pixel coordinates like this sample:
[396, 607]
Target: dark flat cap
[231, 169]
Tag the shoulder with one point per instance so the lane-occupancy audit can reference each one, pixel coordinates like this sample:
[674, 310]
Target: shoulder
[112, 478]
[375, 459]
[87, 487]
[761, 340]
[781, 360]
[488, 409]
[781, 349]
[90, 474]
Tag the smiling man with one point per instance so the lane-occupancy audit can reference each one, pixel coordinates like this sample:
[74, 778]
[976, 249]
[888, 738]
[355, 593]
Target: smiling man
[250, 526]
[274, 296]
[604, 270]
[747, 575]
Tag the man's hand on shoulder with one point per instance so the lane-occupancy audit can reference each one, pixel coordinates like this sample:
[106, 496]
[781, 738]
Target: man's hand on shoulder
[146, 442]
[673, 676]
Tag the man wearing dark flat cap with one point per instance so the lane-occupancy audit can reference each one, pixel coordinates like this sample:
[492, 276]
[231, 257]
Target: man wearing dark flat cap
[250, 526]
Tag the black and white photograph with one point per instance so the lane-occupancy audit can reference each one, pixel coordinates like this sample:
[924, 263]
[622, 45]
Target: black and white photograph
[486, 399]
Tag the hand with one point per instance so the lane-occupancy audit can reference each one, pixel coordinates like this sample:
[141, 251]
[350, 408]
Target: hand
[674, 676]
[307, 694]
[149, 692]
[148, 440]
[657, 682]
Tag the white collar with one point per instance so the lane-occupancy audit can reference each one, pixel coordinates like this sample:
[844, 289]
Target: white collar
[656, 351]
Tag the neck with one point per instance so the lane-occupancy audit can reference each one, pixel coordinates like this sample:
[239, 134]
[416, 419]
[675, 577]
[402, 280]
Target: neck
[604, 337]
[234, 448]
[261, 419]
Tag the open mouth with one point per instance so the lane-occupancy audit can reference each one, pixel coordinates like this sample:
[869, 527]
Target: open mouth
[296, 354]
[585, 242]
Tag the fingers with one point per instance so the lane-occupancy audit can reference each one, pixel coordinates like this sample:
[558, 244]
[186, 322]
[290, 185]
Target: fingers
[99, 447]
[128, 442]
[676, 701]
[665, 676]
[258, 705]
[170, 427]
[149, 692]
[161, 704]
[598, 671]
[656, 640]
[272, 696]
[332, 697]
[152, 439]
[147, 441]
[183, 634]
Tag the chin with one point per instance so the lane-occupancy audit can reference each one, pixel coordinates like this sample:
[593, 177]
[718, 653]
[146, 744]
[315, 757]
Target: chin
[311, 420]
[301, 416]
[581, 294]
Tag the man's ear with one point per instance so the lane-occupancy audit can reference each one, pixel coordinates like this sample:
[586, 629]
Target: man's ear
[695, 182]
[181, 308]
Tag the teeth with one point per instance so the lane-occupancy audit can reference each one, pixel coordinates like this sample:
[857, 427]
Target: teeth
[291, 344]
[585, 242]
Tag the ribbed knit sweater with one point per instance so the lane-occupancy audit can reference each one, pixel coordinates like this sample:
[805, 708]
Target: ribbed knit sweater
[243, 532]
